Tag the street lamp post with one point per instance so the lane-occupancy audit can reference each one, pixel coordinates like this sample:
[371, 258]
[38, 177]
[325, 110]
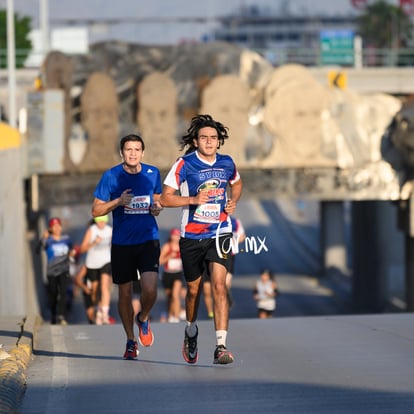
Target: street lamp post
[11, 64]
[44, 26]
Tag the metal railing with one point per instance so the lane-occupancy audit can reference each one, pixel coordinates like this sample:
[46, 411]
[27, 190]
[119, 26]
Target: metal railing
[369, 57]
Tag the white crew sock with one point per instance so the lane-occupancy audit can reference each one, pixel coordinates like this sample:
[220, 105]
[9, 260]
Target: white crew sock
[221, 337]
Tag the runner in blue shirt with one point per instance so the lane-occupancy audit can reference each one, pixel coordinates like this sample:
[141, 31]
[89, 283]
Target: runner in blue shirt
[59, 248]
[131, 191]
[198, 182]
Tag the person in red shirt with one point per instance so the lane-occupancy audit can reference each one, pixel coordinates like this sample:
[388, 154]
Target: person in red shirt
[173, 277]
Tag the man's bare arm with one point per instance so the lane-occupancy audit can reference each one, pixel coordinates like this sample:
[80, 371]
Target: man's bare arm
[101, 208]
[236, 191]
[170, 198]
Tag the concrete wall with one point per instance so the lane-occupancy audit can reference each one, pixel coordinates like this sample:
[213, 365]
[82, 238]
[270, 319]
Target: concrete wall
[16, 274]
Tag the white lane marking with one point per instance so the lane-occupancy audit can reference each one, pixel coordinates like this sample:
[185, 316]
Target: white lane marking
[57, 396]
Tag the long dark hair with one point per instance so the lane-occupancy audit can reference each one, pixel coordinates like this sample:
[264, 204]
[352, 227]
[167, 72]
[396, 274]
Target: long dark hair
[198, 122]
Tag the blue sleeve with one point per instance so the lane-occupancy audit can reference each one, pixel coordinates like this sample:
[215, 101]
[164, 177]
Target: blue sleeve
[102, 191]
[158, 186]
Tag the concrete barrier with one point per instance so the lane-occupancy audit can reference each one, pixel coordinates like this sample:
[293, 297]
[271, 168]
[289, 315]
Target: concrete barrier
[15, 273]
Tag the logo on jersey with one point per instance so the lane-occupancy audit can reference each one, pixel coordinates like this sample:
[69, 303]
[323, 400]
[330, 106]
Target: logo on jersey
[219, 174]
[213, 190]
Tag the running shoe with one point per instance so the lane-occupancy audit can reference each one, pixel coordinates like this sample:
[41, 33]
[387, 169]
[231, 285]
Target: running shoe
[131, 351]
[222, 355]
[108, 320]
[99, 318]
[145, 337]
[173, 319]
[190, 350]
[62, 320]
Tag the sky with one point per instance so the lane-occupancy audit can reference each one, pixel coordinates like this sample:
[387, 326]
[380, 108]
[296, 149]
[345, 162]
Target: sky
[166, 33]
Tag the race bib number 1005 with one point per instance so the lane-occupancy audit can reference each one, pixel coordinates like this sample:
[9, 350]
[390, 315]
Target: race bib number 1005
[207, 213]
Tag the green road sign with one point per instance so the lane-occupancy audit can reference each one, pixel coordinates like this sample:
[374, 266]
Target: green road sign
[337, 47]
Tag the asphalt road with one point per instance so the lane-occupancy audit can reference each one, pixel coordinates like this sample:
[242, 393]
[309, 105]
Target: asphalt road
[323, 364]
[299, 295]
[314, 356]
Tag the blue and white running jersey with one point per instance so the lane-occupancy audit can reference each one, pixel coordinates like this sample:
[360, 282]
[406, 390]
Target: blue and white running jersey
[190, 174]
[132, 224]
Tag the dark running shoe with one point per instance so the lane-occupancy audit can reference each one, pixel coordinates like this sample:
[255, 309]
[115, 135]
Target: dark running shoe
[222, 355]
[131, 351]
[190, 350]
[145, 336]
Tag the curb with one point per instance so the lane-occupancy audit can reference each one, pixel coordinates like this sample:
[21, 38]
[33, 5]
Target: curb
[13, 369]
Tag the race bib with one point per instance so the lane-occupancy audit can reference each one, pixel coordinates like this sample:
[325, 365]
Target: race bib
[138, 205]
[207, 213]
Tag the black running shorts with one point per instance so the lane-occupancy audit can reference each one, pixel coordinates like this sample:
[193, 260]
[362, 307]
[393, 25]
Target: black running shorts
[196, 254]
[95, 274]
[126, 260]
[168, 279]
